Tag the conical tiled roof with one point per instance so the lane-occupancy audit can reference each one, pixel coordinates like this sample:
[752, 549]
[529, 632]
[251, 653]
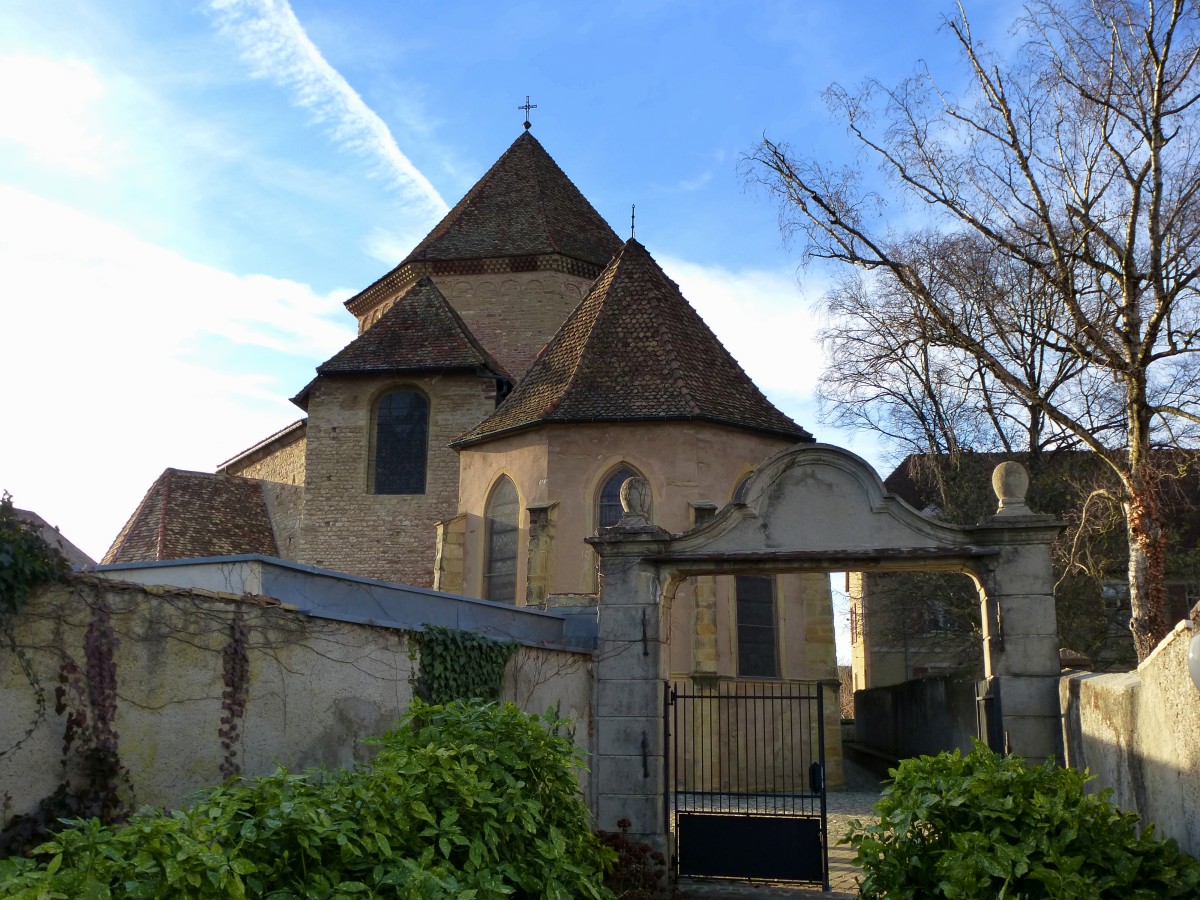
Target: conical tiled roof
[524, 206]
[634, 349]
[419, 332]
[188, 515]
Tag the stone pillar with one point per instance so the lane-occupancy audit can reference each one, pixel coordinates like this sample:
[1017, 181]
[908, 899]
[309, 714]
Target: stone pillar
[704, 601]
[1020, 626]
[542, 520]
[630, 670]
[448, 555]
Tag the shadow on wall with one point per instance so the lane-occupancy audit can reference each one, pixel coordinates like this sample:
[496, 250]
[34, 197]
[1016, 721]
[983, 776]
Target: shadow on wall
[1138, 734]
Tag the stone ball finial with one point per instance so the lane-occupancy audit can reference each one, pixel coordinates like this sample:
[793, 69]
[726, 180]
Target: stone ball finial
[635, 501]
[1010, 481]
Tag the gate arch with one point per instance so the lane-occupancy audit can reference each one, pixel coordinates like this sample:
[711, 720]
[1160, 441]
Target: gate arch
[811, 508]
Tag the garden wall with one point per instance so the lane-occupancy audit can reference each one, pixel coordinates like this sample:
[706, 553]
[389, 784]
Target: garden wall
[1138, 733]
[925, 716]
[161, 668]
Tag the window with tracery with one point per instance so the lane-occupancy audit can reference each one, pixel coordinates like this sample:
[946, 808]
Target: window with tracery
[400, 446]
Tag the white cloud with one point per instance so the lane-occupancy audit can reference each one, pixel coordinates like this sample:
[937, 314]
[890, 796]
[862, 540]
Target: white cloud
[274, 44]
[48, 107]
[762, 318]
[766, 320]
[121, 358]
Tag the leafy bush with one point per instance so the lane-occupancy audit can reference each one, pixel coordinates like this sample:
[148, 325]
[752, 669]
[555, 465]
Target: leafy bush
[984, 825]
[26, 561]
[464, 801]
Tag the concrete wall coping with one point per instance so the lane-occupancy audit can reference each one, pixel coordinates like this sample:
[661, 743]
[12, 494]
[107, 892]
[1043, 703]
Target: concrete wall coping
[324, 593]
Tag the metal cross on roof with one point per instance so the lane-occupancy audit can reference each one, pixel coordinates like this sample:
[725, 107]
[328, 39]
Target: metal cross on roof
[527, 107]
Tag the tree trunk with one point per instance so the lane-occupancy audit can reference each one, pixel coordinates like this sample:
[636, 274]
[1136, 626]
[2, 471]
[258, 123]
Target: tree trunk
[1147, 572]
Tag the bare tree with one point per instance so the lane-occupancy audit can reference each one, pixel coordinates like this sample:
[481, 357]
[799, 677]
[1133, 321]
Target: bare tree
[1078, 160]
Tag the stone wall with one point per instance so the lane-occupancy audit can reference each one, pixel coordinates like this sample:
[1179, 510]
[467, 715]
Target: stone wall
[513, 314]
[913, 718]
[317, 687]
[1138, 733]
[283, 463]
[346, 526]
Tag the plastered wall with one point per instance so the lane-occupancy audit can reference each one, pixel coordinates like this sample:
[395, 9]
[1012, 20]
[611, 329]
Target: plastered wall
[317, 687]
[1138, 733]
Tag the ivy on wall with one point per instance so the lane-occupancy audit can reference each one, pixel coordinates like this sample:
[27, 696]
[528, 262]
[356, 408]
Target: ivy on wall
[235, 675]
[26, 562]
[459, 665]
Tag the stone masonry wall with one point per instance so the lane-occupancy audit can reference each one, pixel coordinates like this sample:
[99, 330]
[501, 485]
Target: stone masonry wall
[285, 506]
[317, 687]
[514, 314]
[284, 465]
[348, 528]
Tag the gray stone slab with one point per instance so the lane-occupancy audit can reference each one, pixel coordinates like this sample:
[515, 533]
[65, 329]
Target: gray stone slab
[1029, 695]
[624, 622]
[620, 736]
[626, 775]
[645, 812]
[1028, 655]
[638, 698]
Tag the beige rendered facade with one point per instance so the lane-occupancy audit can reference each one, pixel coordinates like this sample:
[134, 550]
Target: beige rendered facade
[692, 470]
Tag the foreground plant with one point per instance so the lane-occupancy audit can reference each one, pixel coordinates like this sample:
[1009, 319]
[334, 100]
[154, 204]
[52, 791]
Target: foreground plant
[985, 825]
[463, 801]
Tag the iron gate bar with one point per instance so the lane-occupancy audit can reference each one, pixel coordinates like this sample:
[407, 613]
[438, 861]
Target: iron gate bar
[744, 770]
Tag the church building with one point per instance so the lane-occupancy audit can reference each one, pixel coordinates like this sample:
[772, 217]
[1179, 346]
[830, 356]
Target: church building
[509, 375]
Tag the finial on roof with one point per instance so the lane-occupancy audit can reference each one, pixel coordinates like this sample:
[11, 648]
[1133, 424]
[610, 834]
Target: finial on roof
[527, 107]
[632, 220]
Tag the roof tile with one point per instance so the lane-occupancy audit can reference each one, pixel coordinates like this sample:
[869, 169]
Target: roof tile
[524, 206]
[634, 349]
[188, 515]
[420, 331]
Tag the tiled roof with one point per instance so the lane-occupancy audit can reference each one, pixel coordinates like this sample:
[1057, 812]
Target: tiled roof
[186, 515]
[421, 331]
[75, 557]
[634, 349]
[524, 206]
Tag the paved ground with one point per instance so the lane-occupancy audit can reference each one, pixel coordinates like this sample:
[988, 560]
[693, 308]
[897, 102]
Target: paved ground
[842, 806]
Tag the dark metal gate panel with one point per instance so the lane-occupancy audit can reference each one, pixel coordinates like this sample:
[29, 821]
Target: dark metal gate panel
[745, 781]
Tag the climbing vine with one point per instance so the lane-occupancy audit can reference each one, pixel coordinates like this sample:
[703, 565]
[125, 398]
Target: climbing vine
[459, 665]
[236, 677]
[94, 782]
[26, 561]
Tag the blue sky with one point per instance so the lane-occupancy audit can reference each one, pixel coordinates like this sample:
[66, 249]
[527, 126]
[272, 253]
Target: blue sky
[189, 190]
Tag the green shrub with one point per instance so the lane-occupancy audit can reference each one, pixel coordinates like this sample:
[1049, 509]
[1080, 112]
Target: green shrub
[984, 825]
[463, 801]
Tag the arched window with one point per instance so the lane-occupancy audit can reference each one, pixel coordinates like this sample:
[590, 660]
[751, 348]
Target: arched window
[503, 528]
[401, 441]
[609, 501]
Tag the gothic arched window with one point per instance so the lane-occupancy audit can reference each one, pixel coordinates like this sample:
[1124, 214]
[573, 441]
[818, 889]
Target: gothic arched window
[401, 438]
[609, 500]
[502, 516]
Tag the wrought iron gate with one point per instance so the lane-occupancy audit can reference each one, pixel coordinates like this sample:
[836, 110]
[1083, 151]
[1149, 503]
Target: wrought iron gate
[745, 781]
